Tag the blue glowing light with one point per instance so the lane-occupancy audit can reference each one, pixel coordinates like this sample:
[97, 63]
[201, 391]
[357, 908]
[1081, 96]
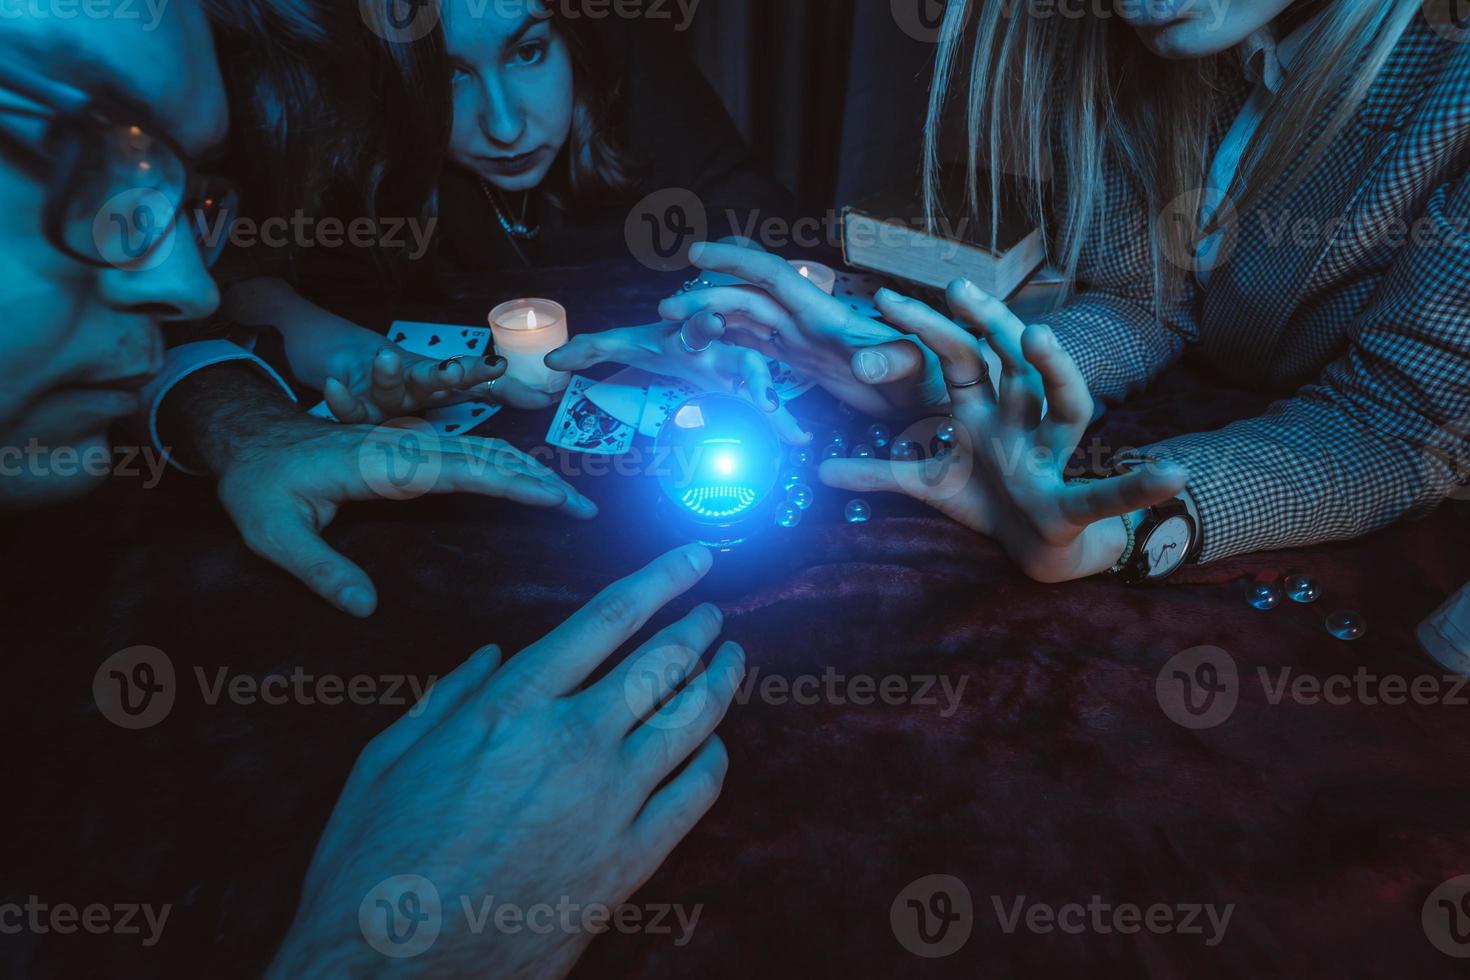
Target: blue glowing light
[723, 457]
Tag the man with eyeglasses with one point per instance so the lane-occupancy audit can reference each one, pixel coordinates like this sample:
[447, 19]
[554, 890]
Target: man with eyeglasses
[517, 779]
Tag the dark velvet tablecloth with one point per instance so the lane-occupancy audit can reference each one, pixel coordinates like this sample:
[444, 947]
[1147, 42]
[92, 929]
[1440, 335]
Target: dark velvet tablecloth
[1058, 777]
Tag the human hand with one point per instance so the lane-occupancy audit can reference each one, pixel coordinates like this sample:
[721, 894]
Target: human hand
[390, 382]
[283, 491]
[1004, 477]
[515, 783]
[864, 363]
[695, 351]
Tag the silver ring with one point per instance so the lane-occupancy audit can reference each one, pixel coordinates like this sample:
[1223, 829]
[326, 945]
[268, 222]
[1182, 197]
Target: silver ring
[967, 384]
[685, 340]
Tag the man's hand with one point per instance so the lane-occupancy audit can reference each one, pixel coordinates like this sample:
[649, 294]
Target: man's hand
[382, 381]
[866, 364]
[711, 365]
[283, 475]
[516, 783]
[1004, 474]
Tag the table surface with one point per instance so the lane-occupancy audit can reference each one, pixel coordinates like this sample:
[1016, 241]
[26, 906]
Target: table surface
[1057, 777]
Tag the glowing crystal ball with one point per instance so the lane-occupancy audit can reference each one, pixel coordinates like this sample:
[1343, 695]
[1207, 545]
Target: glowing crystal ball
[719, 458]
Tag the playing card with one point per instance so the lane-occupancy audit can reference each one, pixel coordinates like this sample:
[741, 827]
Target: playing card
[623, 395]
[790, 383]
[665, 395]
[857, 290]
[583, 427]
[442, 341]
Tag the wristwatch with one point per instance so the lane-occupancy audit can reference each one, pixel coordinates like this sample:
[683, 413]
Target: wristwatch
[1160, 542]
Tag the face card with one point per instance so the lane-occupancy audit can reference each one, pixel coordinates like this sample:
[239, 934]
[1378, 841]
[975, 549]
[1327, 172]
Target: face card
[789, 382]
[623, 395]
[665, 395]
[461, 419]
[583, 427]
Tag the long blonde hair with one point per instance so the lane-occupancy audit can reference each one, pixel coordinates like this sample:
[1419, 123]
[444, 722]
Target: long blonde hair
[1152, 115]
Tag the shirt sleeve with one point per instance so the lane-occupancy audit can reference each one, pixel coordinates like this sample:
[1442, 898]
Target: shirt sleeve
[1383, 434]
[179, 363]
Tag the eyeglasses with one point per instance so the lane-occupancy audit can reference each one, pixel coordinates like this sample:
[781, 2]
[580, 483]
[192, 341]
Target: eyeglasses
[116, 190]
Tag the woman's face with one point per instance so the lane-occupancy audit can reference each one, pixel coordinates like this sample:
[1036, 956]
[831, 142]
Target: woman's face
[513, 92]
[1184, 29]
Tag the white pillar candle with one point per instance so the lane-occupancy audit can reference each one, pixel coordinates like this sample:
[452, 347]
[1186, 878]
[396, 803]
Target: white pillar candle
[824, 276]
[525, 331]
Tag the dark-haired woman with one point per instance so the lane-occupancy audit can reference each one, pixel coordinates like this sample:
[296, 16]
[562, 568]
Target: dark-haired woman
[525, 136]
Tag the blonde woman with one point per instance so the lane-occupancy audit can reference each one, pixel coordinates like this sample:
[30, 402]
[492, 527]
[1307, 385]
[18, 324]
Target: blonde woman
[1278, 189]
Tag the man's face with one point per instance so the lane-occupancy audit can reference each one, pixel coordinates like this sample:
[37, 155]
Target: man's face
[1183, 29]
[76, 341]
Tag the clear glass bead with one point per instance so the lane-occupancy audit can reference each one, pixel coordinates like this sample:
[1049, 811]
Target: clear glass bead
[1302, 588]
[835, 438]
[803, 457]
[1264, 595]
[1346, 624]
[834, 451]
[879, 435]
[788, 514]
[858, 512]
[862, 451]
[905, 450]
[791, 477]
[944, 432]
[801, 495]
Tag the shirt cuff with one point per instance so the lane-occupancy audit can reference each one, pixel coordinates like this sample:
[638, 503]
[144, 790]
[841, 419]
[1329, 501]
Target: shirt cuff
[179, 363]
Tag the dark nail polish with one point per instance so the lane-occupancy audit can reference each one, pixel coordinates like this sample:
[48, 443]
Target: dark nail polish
[447, 364]
[494, 360]
[773, 398]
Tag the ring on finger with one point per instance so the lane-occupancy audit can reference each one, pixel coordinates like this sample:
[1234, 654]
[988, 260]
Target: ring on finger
[684, 337]
[984, 376]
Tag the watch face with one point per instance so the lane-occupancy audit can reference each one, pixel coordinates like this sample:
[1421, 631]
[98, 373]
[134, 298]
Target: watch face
[1166, 547]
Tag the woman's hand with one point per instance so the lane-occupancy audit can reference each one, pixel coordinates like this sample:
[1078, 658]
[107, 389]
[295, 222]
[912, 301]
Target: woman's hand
[389, 382]
[514, 785]
[286, 488]
[1004, 476]
[694, 350]
[866, 364]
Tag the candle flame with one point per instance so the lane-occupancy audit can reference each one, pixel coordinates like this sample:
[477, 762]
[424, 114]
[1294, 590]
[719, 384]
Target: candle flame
[806, 273]
[531, 319]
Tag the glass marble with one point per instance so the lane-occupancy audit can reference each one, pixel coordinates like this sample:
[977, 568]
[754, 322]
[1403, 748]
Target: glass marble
[835, 438]
[858, 512]
[862, 451]
[801, 495]
[791, 477]
[803, 457]
[834, 451]
[1346, 625]
[879, 435]
[788, 514]
[1302, 588]
[906, 449]
[1264, 595]
[945, 431]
